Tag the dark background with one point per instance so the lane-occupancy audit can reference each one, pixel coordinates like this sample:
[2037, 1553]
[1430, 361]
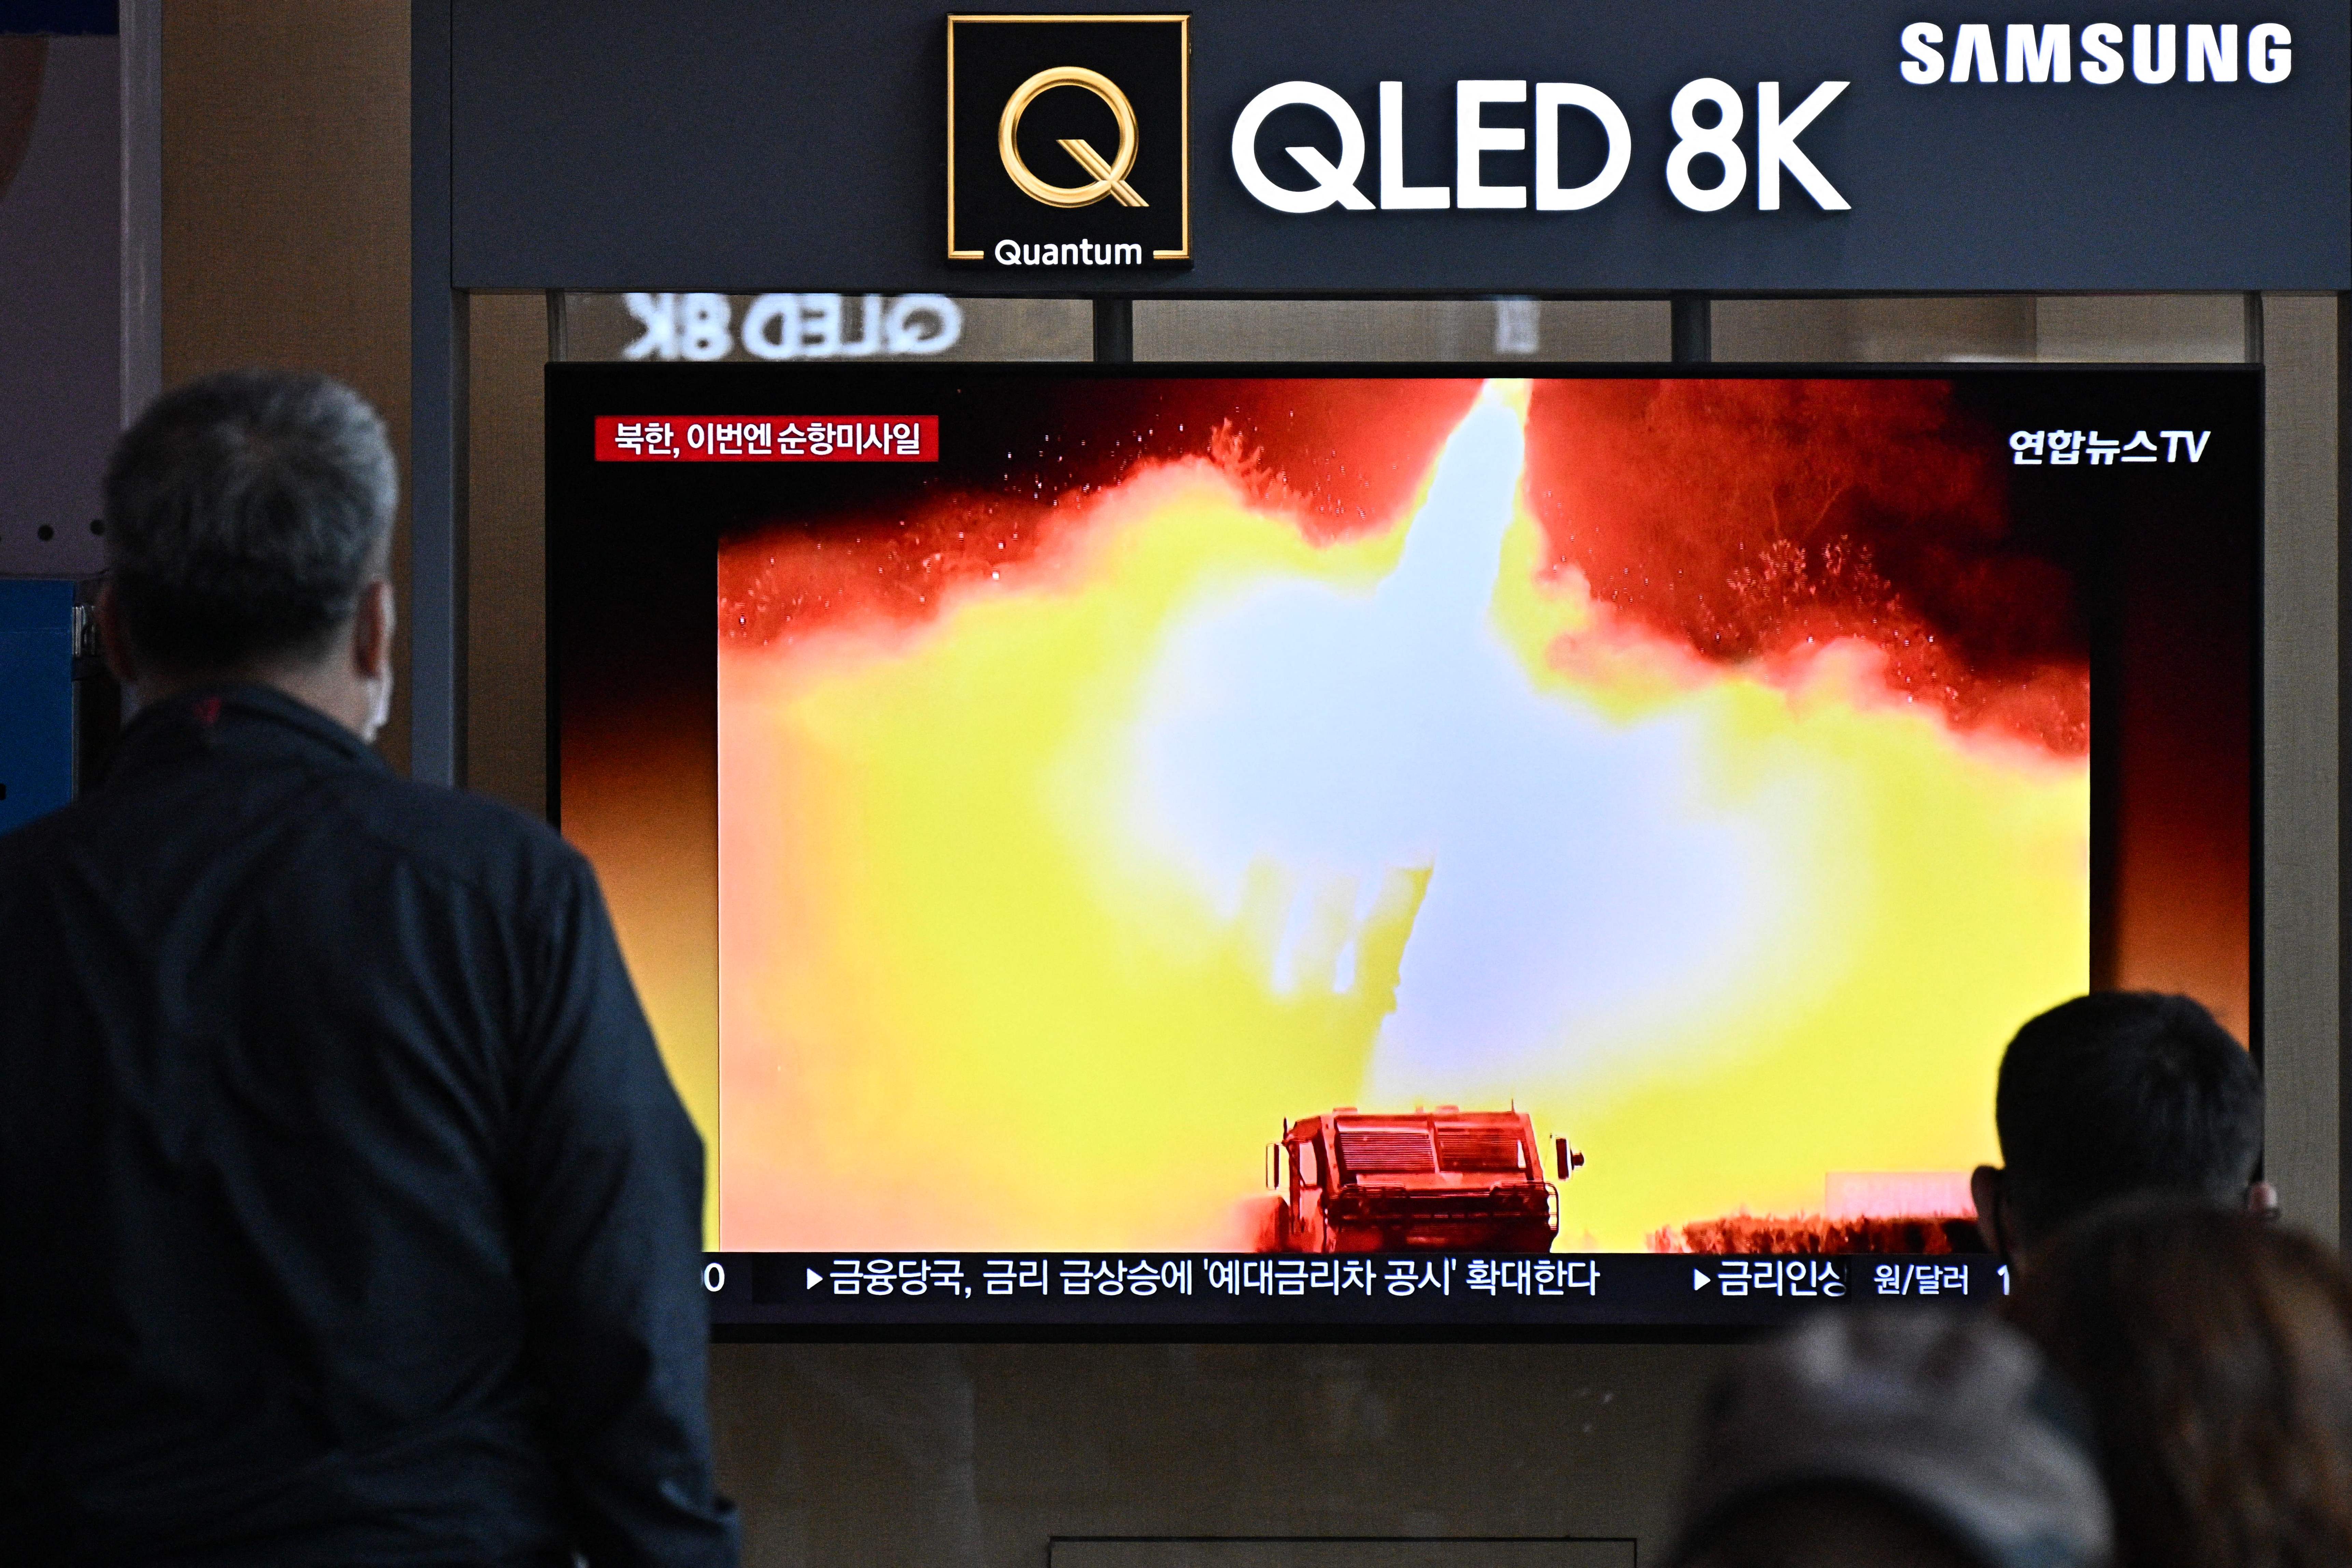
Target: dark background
[739, 145]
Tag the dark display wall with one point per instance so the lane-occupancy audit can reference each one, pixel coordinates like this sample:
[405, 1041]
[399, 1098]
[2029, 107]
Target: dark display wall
[732, 144]
[899, 1453]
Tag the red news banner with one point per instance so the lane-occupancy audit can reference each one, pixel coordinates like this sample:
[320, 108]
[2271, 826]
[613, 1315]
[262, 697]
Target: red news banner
[769, 438]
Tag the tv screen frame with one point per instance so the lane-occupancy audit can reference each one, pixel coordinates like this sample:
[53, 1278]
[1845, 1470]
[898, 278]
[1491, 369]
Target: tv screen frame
[969, 1293]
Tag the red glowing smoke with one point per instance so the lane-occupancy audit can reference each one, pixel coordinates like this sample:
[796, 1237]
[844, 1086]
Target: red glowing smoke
[1753, 521]
[1023, 466]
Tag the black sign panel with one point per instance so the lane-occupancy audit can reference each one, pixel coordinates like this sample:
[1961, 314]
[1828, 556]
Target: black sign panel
[1069, 142]
[1389, 149]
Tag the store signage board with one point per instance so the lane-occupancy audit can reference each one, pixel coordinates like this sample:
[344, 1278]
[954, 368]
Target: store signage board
[1282, 147]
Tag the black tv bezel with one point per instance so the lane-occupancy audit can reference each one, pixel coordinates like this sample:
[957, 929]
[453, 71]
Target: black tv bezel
[569, 386]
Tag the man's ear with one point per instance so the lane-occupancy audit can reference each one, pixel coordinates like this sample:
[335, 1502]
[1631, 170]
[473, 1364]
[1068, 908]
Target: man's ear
[1984, 1187]
[2263, 1201]
[119, 657]
[371, 625]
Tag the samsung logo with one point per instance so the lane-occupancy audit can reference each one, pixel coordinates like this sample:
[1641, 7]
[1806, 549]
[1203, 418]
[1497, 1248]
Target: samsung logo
[2046, 53]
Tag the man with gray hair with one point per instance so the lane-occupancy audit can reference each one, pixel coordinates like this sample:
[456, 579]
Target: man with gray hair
[347, 1212]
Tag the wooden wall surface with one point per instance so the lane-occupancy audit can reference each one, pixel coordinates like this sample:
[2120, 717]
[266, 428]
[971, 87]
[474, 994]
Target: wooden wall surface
[286, 206]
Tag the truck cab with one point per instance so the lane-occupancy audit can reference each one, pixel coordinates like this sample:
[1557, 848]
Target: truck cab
[1422, 1181]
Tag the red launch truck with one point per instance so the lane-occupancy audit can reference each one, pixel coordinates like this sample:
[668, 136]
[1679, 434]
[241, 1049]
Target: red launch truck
[1423, 1181]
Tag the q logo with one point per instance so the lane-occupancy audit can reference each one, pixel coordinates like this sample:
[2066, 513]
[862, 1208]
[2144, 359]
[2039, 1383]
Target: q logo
[1122, 128]
[1110, 179]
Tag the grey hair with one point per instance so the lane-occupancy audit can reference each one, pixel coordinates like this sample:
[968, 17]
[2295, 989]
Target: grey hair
[244, 511]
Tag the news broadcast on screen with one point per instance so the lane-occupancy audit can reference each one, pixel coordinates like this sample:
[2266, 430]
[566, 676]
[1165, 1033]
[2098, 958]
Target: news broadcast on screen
[1366, 848]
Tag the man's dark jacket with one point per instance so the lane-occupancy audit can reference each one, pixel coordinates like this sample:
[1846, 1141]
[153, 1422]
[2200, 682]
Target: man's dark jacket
[347, 1214]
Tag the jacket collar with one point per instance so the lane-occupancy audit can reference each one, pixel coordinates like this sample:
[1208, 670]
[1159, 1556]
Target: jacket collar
[255, 722]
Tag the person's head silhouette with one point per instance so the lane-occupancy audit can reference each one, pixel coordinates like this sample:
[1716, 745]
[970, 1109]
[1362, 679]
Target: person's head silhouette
[2112, 1094]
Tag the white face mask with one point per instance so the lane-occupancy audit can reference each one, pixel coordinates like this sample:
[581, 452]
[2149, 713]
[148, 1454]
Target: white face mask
[380, 687]
[379, 710]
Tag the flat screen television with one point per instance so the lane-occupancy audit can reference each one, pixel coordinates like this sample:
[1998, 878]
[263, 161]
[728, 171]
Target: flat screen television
[1178, 850]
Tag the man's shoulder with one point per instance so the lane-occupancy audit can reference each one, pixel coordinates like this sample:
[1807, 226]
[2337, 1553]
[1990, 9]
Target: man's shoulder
[458, 833]
[329, 826]
[31, 838]
[31, 843]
